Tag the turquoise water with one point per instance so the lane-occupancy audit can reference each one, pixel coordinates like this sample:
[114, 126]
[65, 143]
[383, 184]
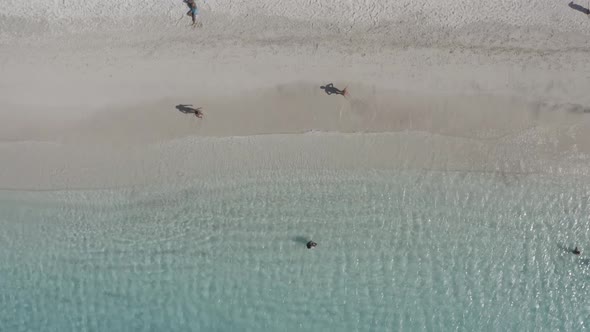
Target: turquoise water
[397, 251]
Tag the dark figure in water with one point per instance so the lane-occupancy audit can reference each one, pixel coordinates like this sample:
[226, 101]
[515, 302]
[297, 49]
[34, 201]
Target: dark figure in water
[311, 245]
[330, 89]
[576, 251]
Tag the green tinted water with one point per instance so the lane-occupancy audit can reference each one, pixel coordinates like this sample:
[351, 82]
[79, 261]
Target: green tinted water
[397, 251]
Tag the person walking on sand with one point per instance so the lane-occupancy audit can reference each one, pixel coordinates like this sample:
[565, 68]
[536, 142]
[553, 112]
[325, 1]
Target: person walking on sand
[193, 11]
[188, 109]
[331, 89]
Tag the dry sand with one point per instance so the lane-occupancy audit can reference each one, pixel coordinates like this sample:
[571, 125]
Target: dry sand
[88, 89]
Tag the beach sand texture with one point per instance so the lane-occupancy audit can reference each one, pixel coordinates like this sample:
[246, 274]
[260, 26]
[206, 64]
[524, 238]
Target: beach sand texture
[494, 80]
[506, 75]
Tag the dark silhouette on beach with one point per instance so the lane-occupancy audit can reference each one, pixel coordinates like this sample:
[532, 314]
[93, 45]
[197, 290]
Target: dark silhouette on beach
[188, 109]
[579, 8]
[330, 89]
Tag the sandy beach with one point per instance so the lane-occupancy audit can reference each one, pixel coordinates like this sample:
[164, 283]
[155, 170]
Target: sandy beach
[492, 86]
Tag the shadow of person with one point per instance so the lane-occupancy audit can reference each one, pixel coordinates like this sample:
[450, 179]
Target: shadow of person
[579, 8]
[188, 109]
[330, 89]
[570, 250]
[300, 239]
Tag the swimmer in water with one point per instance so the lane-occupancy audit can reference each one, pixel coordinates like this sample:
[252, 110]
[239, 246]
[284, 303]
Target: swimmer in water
[311, 245]
[576, 251]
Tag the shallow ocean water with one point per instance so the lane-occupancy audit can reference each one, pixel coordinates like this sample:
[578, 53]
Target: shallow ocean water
[408, 251]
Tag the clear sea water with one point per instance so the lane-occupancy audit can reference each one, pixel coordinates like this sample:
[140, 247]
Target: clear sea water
[397, 251]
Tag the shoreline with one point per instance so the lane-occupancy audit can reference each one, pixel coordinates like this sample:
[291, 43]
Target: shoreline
[445, 192]
[52, 166]
[510, 99]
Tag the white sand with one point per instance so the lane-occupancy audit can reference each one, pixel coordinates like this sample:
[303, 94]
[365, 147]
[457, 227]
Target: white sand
[88, 88]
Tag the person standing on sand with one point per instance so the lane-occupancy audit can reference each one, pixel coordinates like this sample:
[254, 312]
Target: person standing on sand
[193, 11]
[331, 89]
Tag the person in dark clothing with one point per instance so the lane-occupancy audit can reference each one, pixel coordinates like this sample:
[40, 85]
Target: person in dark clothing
[576, 251]
[331, 89]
